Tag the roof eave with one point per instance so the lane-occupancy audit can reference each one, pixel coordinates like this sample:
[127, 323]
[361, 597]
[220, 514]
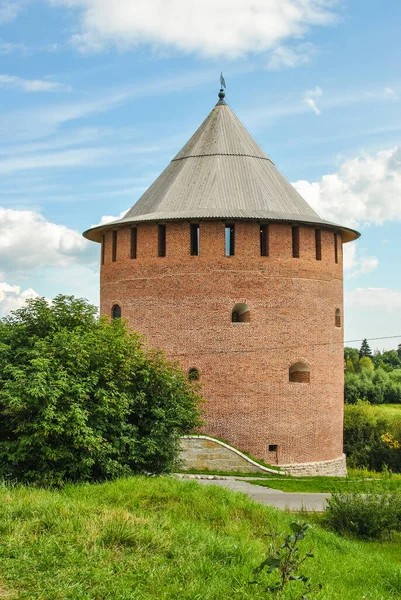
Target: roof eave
[95, 233]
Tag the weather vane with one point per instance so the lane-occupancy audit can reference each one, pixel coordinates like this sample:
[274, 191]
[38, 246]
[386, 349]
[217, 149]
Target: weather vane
[222, 81]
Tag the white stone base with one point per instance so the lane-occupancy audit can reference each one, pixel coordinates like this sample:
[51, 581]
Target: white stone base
[329, 468]
[204, 453]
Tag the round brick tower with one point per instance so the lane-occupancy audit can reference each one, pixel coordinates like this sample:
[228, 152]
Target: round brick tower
[224, 266]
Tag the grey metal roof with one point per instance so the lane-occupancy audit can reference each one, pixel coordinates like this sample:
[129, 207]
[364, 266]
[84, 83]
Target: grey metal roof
[221, 173]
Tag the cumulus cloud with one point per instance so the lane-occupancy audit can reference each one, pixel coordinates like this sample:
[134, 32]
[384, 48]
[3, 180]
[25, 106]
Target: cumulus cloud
[311, 98]
[364, 191]
[28, 241]
[284, 57]
[9, 9]
[228, 28]
[31, 85]
[13, 297]
[377, 299]
[109, 218]
[356, 262]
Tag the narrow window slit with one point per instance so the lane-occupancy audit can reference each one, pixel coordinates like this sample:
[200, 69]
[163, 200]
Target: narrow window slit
[195, 246]
[295, 242]
[114, 246]
[230, 239]
[318, 244]
[162, 240]
[336, 248]
[103, 247]
[264, 240]
[134, 237]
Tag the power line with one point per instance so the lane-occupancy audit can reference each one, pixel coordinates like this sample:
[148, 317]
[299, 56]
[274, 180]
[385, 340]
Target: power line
[387, 337]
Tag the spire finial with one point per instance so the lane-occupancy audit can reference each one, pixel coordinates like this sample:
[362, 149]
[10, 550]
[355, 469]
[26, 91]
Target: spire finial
[222, 92]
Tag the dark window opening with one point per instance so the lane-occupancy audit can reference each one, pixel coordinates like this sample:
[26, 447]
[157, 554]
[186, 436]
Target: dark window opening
[338, 318]
[116, 312]
[295, 242]
[264, 240]
[193, 374]
[299, 373]
[162, 240]
[134, 237]
[114, 246]
[103, 247]
[318, 244]
[195, 247]
[273, 447]
[240, 313]
[230, 240]
[336, 247]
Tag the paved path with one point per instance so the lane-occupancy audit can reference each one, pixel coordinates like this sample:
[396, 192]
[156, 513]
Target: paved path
[271, 497]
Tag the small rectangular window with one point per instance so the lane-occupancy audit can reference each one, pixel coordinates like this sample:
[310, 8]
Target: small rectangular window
[318, 244]
[133, 241]
[162, 240]
[335, 247]
[230, 240]
[103, 247]
[195, 239]
[264, 240]
[273, 447]
[114, 246]
[295, 242]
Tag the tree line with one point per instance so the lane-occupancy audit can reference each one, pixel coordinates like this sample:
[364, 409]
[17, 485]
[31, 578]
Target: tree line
[372, 376]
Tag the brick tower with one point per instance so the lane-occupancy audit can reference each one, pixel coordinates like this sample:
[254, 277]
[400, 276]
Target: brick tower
[224, 266]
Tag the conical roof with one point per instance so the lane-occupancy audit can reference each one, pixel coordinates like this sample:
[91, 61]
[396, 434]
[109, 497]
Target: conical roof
[221, 173]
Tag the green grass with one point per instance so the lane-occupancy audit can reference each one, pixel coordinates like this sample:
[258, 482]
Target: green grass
[391, 411]
[330, 484]
[163, 539]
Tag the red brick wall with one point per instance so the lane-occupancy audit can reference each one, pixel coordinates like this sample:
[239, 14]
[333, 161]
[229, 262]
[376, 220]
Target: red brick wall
[183, 304]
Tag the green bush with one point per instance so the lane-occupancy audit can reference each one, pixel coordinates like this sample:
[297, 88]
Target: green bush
[369, 515]
[370, 440]
[80, 398]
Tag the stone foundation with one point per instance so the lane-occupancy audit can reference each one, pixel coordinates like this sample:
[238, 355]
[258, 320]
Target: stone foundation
[203, 453]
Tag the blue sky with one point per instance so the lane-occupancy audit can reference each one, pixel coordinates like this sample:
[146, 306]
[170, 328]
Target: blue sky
[97, 96]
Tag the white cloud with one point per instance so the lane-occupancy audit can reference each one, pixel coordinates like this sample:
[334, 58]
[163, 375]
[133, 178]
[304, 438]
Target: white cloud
[284, 57]
[356, 262]
[9, 9]
[68, 158]
[391, 93]
[32, 85]
[12, 297]
[29, 242]
[364, 190]
[228, 28]
[377, 299]
[311, 98]
[109, 218]
[9, 47]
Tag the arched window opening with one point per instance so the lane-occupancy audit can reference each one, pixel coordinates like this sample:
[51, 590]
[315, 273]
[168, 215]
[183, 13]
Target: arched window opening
[116, 312]
[338, 318]
[193, 374]
[299, 373]
[240, 313]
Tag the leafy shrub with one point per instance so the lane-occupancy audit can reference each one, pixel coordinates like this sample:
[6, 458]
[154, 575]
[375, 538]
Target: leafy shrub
[284, 560]
[371, 441]
[369, 515]
[80, 398]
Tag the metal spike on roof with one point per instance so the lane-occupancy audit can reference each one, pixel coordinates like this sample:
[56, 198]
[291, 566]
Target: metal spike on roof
[221, 173]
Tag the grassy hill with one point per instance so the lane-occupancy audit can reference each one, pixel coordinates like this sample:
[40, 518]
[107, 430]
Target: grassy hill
[144, 538]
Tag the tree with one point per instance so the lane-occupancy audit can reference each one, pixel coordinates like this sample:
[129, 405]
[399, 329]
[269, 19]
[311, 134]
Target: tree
[365, 349]
[81, 399]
